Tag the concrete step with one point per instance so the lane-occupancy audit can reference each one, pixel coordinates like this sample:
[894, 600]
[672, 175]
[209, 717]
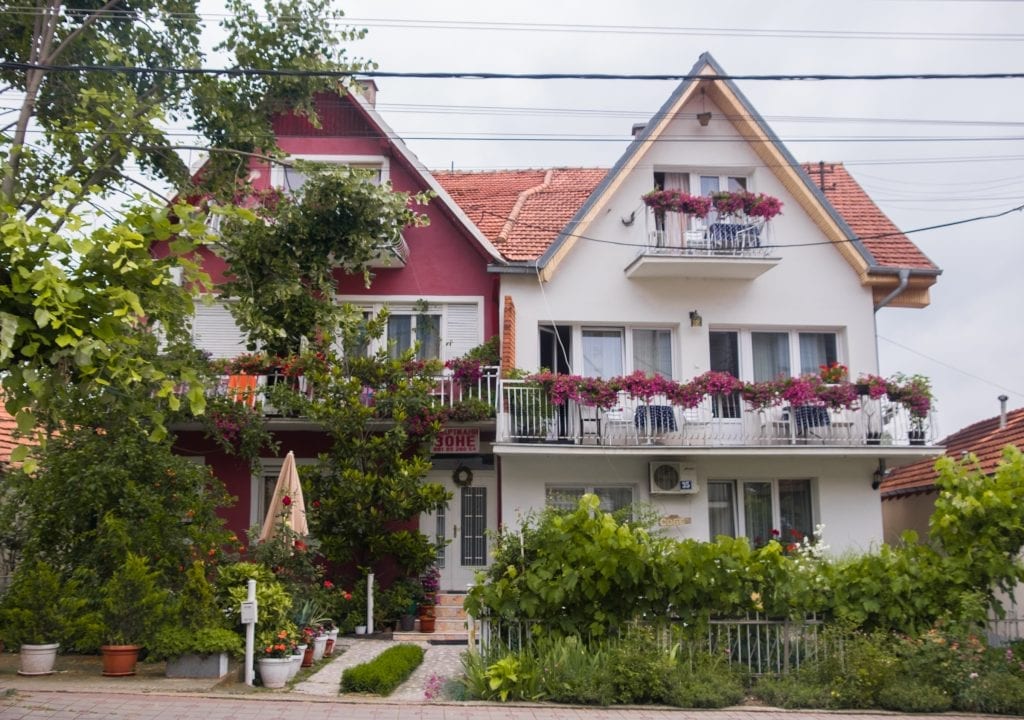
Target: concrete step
[452, 638]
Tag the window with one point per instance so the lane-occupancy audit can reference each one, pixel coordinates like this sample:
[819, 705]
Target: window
[602, 352]
[718, 183]
[652, 352]
[405, 330]
[766, 509]
[725, 357]
[567, 497]
[291, 179]
[770, 354]
[262, 487]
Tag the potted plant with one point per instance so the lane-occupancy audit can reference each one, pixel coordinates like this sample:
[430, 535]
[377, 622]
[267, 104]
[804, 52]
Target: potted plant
[915, 394]
[275, 660]
[133, 609]
[431, 583]
[196, 640]
[36, 613]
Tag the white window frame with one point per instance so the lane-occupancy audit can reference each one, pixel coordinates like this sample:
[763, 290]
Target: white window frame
[369, 162]
[739, 511]
[268, 466]
[626, 333]
[437, 306]
[557, 487]
[745, 348]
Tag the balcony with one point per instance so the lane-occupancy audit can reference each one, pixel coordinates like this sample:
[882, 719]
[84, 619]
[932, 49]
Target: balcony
[528, 415]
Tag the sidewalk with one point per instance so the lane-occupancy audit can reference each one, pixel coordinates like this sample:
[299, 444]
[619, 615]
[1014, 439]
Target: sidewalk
[82, 674]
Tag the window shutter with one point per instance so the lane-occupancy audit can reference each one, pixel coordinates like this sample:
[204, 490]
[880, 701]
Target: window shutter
[215, 331]
[462, 333]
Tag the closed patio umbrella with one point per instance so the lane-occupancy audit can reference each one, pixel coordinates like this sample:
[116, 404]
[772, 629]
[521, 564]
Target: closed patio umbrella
[288, 501]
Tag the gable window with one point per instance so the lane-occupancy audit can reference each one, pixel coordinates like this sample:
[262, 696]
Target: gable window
[765, 509]
[291, 178]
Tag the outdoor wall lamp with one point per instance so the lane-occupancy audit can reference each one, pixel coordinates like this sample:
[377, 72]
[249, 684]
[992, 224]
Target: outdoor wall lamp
[704, 118]
[695, 319]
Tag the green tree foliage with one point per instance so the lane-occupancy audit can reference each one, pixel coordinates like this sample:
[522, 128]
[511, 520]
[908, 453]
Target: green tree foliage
[284, 260]
[378, 414]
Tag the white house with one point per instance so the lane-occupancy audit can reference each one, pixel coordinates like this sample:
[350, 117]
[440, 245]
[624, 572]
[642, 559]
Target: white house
[621, 288]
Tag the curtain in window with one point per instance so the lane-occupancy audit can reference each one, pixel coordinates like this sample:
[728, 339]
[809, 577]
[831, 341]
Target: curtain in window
[770, 352]
[652, 352]
[675, 222]
[795, 509]
[614, 498]
[722, 508]
[602, 353]
[757, 508]
[563, 498]
[428, 333]
[816, 349]
[399, 334]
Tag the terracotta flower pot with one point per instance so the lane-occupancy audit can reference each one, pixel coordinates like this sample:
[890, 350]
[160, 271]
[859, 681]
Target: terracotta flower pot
[427, 623]
[307, 656]
[119, 660]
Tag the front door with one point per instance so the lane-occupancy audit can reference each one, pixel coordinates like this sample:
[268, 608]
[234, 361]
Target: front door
[463, 526]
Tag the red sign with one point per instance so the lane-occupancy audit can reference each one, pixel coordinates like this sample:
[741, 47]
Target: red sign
[457, 441]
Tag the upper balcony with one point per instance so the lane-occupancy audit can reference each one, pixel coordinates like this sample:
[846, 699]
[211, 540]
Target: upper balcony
[704, 237]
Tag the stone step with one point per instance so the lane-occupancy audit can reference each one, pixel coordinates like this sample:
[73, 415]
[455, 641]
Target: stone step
[446, 637]
[449, 611]
[454, 599]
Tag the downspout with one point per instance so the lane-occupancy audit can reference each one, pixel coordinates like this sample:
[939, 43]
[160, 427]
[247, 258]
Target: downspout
[904, 277]
[904, 280]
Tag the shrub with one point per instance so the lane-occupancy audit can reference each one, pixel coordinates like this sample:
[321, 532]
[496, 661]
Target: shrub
[796, 691]
[385, 672]
[995, 692]
[905, 696]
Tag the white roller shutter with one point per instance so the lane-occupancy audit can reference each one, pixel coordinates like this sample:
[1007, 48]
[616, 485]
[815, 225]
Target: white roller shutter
[462, 331]
[215, 331]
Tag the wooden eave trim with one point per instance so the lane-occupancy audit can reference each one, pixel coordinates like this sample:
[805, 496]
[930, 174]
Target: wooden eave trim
[548, 271]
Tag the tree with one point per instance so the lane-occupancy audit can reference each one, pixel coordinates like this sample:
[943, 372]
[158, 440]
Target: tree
[284, 257]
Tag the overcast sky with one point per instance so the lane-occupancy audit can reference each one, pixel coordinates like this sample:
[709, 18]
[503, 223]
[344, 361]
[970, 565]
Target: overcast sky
[970, 341]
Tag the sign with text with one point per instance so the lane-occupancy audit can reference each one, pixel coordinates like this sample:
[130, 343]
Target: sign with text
[464, 441]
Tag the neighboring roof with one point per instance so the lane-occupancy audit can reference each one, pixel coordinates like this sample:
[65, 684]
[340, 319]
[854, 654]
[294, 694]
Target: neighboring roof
[866, 219]
[521, 211]
[7, 441]
[985, 439]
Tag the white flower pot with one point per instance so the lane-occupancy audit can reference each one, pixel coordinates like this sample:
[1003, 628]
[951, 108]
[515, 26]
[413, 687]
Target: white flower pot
[38, 659]
[319, 646]
[360, 629]
[274, 671]
[296, 665]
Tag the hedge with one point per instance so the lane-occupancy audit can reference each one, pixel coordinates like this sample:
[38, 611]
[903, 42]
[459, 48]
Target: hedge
[385, 672]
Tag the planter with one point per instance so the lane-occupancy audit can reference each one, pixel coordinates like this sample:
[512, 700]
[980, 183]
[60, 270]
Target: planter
[360, 629]
[195, 665]
[427, 623]
[406, 623]
[862, 389]
[332, 638]
[119, 660]
[296, 665]
[37, 659]
[874, 438]
[916, 437]
[319, 647]
[307, 656]
[274, 671]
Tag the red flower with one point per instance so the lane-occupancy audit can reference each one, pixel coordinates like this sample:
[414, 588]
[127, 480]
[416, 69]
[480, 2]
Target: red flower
[286, 501]
[775, 533]
[300, 546]
[316, 504]
[328, 584]
[347, 595]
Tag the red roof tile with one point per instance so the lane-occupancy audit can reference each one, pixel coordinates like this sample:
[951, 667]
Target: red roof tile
[985, 439]
[521, 211]
[867, 220]
[7, 441]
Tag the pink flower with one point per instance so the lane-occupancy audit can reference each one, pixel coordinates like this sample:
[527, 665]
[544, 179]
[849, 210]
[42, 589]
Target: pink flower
[328, 584]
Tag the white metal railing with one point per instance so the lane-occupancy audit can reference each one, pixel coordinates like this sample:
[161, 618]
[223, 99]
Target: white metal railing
[722, 237]
[527, 415]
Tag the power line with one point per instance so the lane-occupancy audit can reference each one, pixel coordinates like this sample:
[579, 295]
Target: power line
[952, 367]
[478, 75]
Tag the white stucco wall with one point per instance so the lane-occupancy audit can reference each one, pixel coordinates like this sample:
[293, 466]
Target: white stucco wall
[843, 499]
[812, 287]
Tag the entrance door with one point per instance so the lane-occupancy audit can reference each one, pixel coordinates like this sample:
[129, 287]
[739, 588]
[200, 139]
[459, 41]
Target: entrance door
[463, 527]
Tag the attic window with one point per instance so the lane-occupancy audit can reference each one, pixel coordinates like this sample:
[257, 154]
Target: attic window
[291, 178]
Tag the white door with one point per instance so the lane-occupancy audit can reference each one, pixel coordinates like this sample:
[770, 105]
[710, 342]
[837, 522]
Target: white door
[463, 526]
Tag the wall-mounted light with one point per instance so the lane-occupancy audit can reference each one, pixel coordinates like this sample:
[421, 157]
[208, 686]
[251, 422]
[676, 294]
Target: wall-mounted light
[695, 319]
[879, 475]
[704, 116]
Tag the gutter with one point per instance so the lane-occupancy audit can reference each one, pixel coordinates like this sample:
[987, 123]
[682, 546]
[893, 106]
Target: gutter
[904, 276]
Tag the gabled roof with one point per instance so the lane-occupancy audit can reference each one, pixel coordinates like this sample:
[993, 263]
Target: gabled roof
[985, 439]
[521, 211]
[882, 276]
[885, 243]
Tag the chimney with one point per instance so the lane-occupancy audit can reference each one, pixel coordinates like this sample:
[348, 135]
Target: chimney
[1002, 411]
[369, 90]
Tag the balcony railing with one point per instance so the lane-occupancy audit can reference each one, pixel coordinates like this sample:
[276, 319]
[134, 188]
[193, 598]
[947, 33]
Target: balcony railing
[527, 415]
[254, 389]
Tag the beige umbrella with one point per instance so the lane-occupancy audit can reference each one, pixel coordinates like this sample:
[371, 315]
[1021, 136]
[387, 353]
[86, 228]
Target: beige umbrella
[287, 501]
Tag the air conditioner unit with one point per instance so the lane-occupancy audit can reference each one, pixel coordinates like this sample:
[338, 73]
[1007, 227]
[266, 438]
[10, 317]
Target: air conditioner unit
[672, 478]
